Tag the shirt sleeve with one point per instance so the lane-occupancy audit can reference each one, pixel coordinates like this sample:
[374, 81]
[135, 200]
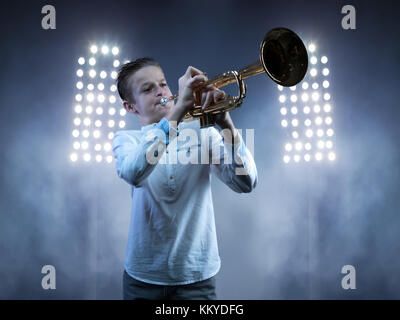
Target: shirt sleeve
[137, 156]
[235, 165]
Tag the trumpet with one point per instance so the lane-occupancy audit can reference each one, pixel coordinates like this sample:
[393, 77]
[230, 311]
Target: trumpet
[283, 57]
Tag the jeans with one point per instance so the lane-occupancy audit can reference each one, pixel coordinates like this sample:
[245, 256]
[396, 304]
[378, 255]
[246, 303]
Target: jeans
[138, 290]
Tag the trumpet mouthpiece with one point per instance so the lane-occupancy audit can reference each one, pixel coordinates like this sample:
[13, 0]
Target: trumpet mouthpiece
[164, 101]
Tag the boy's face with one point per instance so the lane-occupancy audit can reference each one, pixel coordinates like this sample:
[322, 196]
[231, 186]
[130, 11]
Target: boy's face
[148, 87]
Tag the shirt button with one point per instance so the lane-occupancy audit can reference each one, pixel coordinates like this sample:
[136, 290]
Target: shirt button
[171, 177]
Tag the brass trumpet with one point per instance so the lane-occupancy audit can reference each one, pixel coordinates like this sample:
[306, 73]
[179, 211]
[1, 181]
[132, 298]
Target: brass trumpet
[283, 57]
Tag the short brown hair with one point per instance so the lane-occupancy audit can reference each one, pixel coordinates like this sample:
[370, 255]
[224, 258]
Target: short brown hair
[127, 70]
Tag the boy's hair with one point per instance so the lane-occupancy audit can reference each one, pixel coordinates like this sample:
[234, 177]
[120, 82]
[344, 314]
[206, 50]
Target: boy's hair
[127, 70]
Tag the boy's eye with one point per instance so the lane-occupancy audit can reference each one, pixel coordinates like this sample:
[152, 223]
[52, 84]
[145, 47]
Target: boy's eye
[163, 84]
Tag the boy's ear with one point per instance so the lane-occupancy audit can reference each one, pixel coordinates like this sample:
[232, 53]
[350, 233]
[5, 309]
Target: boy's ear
[129, 107]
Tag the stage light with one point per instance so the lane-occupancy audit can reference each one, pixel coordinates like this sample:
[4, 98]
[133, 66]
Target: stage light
[305, 85]
[307, 146]
[324, 59]
[115, 51]
[293, 110]
[328, 121]
[318, 156]
[78, 108]
[96, 134]
[295, 135]
[92, 73]
[293, 88]
[331, 156]
[93, 49]
[84, 145]
[288, 147]
[284, 123]
[299, 146]
[307, 122]
[100, 98]
[109, 159]
[327, 108]
[309, 133]
[311, 47]
[90, 97]
[317, 108]
[320, 144]
[315, 86]
[295, 122]
[286, 159]
[89, 109]
[282, 98]
[304, 97]
[318, 121]
[307, 157]
[283, 111]
[293, 98]
[306, 110]
[107, 146]
[280, 88]
[86, 157]
[87, 122]
[329, 132]
[325, 84]
[296, 158]
[327, 96]
[320, 132]
[85, 133]
[325, 71]
[104, 50]
[315, 96]
[95, 84]
[313, 60]
[73, 157]
[329, 144]
[313, 72]
[112, 99]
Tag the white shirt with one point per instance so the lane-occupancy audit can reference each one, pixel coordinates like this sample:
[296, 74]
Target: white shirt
[172, 238]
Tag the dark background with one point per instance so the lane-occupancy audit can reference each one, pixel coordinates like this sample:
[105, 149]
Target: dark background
[288, 239]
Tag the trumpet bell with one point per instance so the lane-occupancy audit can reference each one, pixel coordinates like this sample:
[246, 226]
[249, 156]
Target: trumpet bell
[284, 57]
